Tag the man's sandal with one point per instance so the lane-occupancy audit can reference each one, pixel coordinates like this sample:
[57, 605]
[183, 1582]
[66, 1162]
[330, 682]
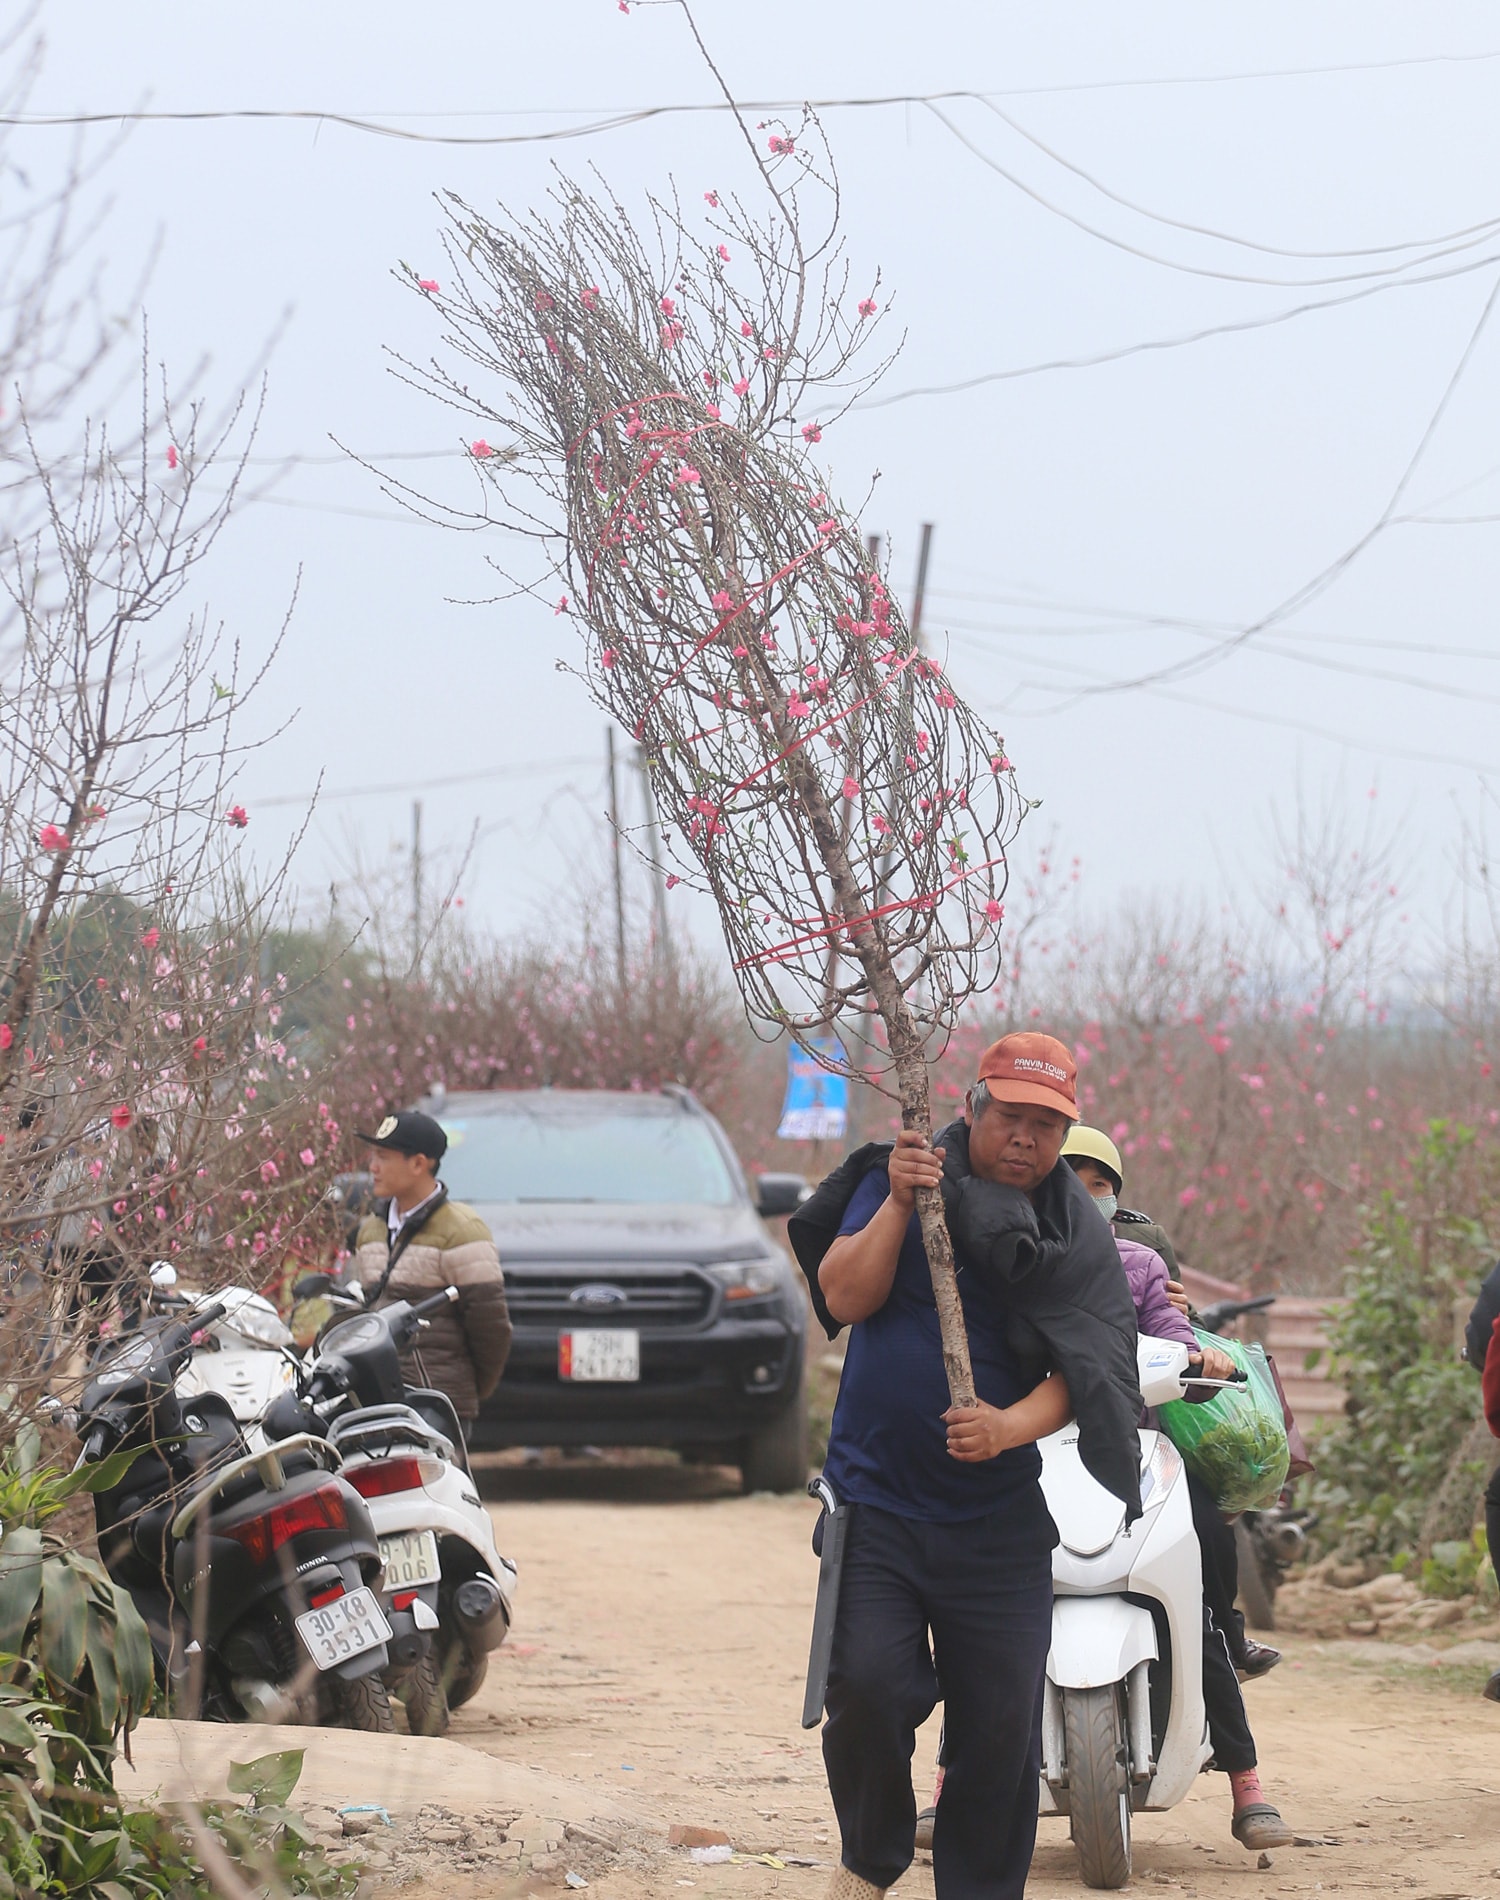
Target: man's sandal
[1258, 1826]
[847, 1885]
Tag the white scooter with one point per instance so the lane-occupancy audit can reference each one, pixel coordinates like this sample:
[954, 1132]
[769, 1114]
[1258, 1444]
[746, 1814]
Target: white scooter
[246, 1355]
[1123, 1724]
[447, 1592]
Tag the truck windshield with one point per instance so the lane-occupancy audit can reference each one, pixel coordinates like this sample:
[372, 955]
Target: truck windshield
[608, 1156]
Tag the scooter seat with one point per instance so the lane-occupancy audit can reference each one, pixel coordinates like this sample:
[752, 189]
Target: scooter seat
[213, 1436]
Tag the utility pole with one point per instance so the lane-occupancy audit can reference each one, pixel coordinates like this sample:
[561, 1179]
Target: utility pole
[919, 596]
[416, 883]
[614, 852]
[918, 601]
[658, 876]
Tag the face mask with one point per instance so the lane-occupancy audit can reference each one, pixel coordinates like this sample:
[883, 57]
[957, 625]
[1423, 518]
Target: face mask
[1107, 1204]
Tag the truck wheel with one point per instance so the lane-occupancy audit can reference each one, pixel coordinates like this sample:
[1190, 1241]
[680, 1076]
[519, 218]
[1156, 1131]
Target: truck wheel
[363, 1704]
[1257, 1596]
[425, 1698]
[775, 1457]
[1098, 1783]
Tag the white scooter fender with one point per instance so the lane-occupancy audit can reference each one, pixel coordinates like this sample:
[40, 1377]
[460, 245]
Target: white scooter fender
[246, 1358]
[434, 1531]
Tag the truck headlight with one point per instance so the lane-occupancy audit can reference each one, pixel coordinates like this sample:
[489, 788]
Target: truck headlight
[746, 1279]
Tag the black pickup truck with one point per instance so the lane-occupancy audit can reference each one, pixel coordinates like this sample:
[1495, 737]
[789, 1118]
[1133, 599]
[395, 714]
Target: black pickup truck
[651, 1305]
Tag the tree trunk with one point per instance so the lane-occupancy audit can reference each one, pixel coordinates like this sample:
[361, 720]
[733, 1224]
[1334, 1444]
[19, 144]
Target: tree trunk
[866, 942]
[916, 1112]
[1457, 1502]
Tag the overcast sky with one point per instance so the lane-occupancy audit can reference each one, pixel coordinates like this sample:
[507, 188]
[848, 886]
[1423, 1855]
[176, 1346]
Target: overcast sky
[1095, 526]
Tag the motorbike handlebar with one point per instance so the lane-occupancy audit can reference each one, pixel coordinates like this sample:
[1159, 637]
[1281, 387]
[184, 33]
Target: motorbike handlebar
[96, 1444]
[447, 1297]
[1222, 1311]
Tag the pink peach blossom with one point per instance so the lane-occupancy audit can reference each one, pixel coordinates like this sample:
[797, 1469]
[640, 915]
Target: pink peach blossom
[171, 455]
[120, 1117]
[480, 450]
[811, 432]
[711, 197]
[237, 816]
[50, 838]
[429, 284]
[868, 307]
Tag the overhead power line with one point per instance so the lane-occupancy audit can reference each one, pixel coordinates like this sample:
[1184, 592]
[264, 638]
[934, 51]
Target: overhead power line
[612, 119]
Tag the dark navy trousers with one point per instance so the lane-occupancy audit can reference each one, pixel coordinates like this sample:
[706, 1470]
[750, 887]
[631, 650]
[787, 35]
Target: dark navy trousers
[983, 1590]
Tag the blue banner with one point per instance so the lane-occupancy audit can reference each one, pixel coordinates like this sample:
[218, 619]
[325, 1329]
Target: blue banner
[817, 1101]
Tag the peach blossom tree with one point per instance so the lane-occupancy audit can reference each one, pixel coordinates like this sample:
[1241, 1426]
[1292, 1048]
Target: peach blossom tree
[657, 389]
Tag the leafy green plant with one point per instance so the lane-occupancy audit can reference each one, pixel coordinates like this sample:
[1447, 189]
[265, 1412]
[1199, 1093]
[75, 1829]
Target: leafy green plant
[76, 1837]
[1460, 1568]
[1410, 1401]
[65, 1624]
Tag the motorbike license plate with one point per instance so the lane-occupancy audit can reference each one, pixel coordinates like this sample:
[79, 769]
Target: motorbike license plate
[341, 1629]
[409, 1559]
[599, 1354]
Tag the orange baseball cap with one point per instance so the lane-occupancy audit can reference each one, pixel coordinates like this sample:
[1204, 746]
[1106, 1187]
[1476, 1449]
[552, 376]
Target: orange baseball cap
[1029, 1067]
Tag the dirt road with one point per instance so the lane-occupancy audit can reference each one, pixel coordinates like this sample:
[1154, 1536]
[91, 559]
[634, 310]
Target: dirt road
[658, 1655]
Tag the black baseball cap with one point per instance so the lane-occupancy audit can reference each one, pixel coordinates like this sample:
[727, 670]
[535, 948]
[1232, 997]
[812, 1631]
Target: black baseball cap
[410, 1133]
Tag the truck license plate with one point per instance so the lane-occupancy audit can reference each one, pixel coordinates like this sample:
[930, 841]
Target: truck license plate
[599, 1354]
[410, 1559]
[341, 1629]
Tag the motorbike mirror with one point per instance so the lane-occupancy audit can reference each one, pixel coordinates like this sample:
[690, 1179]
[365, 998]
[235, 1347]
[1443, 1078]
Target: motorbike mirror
[163, 1274]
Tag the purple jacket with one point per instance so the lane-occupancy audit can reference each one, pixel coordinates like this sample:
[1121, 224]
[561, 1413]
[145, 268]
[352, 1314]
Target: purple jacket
[1156, 1316]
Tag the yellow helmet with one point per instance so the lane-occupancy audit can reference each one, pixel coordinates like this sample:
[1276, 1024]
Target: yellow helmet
[1092, 1144]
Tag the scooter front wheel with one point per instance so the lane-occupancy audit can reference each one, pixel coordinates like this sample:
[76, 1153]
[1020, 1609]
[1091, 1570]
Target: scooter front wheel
[1094, 1738]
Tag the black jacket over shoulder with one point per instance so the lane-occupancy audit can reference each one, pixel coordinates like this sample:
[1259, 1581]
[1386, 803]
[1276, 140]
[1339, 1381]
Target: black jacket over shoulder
[1059, 1271]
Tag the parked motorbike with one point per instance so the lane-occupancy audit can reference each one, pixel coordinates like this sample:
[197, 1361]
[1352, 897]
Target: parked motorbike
[247, 1356]
[1123, 1724]
[1267, 1543]
[256, 1573]
[447, 1591]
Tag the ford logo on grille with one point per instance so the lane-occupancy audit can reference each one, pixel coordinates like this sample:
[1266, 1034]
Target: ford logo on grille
[597, 1293]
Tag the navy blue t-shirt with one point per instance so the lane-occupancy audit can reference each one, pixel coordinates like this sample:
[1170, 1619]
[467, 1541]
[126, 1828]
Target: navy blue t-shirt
[888, 1445]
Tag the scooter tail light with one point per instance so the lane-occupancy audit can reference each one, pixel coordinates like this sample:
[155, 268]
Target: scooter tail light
[381, 1476]
[319, 1510]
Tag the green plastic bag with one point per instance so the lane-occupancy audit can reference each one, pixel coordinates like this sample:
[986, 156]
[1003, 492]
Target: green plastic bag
[1235, 1441]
